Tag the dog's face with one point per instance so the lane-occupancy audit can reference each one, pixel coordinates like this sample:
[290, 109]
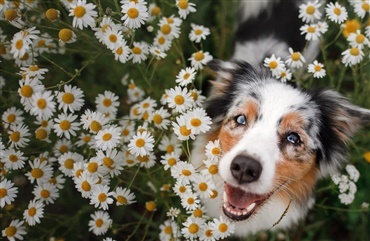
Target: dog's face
[276, 139]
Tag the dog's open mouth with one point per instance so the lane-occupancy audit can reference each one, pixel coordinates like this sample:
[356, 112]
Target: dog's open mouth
[239, 205]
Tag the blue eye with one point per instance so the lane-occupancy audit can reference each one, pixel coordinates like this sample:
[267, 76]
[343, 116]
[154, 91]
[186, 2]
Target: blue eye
[293, 138]
[240, 119]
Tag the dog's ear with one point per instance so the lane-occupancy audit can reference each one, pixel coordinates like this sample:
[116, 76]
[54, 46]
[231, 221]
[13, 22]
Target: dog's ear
[339, 120]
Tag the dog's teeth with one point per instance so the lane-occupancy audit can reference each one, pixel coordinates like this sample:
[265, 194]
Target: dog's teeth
[250, 207]
[225, 197]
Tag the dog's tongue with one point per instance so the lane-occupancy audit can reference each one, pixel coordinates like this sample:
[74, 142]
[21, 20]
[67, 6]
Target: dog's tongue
[241, 199]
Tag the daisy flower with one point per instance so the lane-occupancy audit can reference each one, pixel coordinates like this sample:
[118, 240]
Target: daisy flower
[173, 213]
[141, 144]
[27, 89]
[121, 52]
[46, 192]
[33, 71]
[169, 29]
[311, 32]
[62, 146]
[358, 40]
[179, 99]
[100, 196]
[52, 14]
[72, 99]
[190, 201]
[317, 69]
[105, 24]
[58, 181]
[40, 172]
[198, 32]
[108, 138]
[18, 136]
[157, 52]
[169, 160]
[135, 14]
[198, 212]
[160, 118]
[135, 93]
[181, 130]
[67, 161]
[7, 192]
[147, 105]
[83, 14]
[170, 144]
[206, 232]
[107, 102]
[93, 121]
[181, 189]
[65, 125]
[169, 231]
[222, 228]
[112, 160]
[85, 139]
[112, 37]
[183, 172]
[84, 183]
[78, 168]
[162, 42]
[34, 212]
[147, 161]
[12, 116]
[361, 8]
[13, 159]
[192, 227]
[43, 105]
[19, 45]
[322, 27]
[185, 7]
[309, 12]
[128, 130]
[124, 196]
[213, 150]
[336, 12]
[275, 64]
[198, 121]
[67, 36]
[139, 52]
[199, 59]
[186, 76]
[295, 60]
[100, 222]
[352, 56]
[203, 185]
[154, 11]
[350, 26]
[198, 98]
[15, 230]
[95, 166]
[285, 75]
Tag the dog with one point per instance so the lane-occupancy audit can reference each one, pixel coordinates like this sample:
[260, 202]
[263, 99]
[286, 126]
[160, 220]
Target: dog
[277, 140]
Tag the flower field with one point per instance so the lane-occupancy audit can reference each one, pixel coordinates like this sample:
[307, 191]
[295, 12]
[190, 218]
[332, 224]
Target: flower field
[101, 101]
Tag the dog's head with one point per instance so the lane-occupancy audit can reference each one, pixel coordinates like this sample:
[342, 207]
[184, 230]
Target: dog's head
[276, 139]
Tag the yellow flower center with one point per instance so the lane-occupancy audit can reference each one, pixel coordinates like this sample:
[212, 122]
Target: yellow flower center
[63, 148]
[108, 161]
[296, 56]
[182, 189]
[10, 14]
[10, 231]
[51, 14]
[32, 211]
[183, 4]
[209, 233]
[69, 163]
[26, 91]
[102, 197]
[360, 38]
[310, 10]
[167, 230]
[121, 199]
[190, 200]
[214, 194]
[171, 162]
[354, 51]
[193, 228]
[140, 142]
[13, 158]
[186, 172]
[136, 50]
[41, 134]
[311, 29]
[213, 169]
[366, 7]
[11, 118]
[65, 34]
[184, 131]
[351, 26]
[92, 167]
[107, 102]
[25, 57]
[317, 68]
[85, 185]
[143, 159]
[113, 38]
[40, 43]
[156, 11]
[170, 148]
[119, 51]
[132, 13]
[15, 136]
[195, 122]
[179, 99]
[161, 40]
[203, 186]
[273, 64]
[68, 98]
[65, 125]
[166, 29]
[99, 222]
[41, 103]
[157, 119]
[37, 173]
[3, 192]
[198, 213]
[198, 32]
[222, 227]
[79, 11]
[194, 95]
[95, 126]
[107, 137]
[199, 56]
[19, 44]
[337, 11]
[150, 206]
[45, 193]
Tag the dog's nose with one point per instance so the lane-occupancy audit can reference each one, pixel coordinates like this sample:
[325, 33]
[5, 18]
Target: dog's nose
[245, 169]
